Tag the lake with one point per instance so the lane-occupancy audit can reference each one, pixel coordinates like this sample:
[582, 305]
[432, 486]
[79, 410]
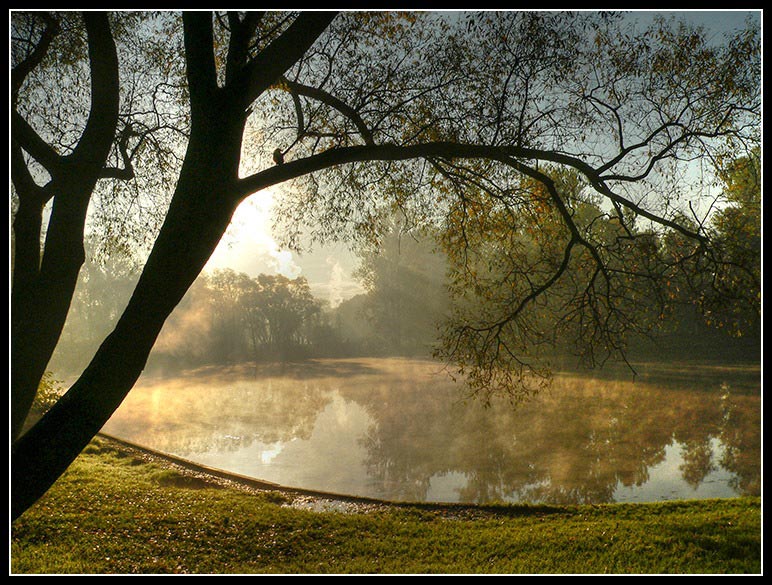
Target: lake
[401, 429]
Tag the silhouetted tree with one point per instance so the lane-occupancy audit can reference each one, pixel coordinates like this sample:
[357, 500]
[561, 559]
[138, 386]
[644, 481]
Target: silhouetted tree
[43, 283]
[77, 137]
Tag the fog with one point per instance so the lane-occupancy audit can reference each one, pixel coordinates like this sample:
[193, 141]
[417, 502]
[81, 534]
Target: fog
[392, 301]
[339, 304]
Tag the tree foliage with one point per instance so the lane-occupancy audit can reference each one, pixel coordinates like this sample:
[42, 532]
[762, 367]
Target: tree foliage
[731, 299]
[629, 114]
[229, 317]
[148, 139]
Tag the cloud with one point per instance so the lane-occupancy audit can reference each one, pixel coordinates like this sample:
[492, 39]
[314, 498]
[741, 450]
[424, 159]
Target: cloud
[284, 263]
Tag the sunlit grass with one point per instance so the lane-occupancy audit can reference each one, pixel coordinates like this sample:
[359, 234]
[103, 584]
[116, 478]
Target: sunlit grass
[114, 513]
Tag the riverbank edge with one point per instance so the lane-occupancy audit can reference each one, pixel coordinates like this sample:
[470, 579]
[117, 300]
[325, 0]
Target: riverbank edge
[301, 498]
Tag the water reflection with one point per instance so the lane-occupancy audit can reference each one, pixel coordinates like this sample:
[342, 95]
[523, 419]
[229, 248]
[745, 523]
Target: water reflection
[397, 429]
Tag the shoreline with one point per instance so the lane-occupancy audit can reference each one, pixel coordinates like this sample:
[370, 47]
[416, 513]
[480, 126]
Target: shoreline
[203, 476]
[301, 498]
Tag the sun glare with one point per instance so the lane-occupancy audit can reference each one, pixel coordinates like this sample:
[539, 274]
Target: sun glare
[249, 246]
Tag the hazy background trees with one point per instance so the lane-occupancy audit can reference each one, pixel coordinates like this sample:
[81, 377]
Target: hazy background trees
[230, 317]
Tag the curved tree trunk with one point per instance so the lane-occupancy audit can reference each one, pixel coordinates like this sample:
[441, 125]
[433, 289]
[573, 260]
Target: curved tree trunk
[39, 306]
[195, 223]
[204, 200]
[26, 371]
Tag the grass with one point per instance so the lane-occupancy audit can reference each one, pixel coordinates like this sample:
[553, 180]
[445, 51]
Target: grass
[116, 513]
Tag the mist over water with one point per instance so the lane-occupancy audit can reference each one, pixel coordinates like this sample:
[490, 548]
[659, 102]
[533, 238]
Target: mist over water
[400, 429]
[267, 377]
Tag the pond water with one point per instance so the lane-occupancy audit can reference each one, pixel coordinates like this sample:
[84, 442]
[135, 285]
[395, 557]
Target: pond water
[401, 430]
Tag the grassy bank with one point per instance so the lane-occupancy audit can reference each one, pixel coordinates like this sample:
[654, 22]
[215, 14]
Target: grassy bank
[117, 512]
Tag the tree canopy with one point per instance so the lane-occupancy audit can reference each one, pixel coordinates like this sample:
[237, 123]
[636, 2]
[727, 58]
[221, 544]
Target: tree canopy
[556, 150]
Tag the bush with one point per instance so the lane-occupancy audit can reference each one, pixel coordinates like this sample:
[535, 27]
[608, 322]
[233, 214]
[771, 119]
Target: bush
[49, 391]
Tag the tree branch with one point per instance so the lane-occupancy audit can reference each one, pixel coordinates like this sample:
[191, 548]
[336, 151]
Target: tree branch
[201, 70]
[281, 54]
[298, 115]
[23, 69]
[26, 187]
[450, 150]
[99, 133]
[326, 98]
[238, 48]
[28, 139]
[127, 172]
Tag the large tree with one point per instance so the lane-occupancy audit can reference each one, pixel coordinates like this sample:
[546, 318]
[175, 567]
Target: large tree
[426, 112]
[73, 127]
[42, 287]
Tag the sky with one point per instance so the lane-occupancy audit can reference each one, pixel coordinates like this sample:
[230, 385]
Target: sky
[723, 20]
[250, 247]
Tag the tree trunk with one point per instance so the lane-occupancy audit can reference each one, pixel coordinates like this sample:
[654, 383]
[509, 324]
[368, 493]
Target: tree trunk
[42, 291]
[40, 305]
[205, 198]
[198, 216]
[25, 371]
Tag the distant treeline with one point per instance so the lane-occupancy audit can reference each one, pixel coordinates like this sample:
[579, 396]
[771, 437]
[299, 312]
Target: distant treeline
[229, 317]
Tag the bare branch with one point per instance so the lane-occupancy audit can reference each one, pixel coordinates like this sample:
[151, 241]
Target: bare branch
[23, 69]
[296, 88]
[242, 32]
[127, 172]
[504, 154]
[26, 187]
[27, 138]
[281, 54]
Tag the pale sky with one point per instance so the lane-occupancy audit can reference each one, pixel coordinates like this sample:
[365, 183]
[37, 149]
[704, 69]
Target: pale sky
[720, 20]
[249, 246]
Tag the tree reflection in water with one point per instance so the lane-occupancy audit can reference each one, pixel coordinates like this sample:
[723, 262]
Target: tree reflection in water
[399, 429]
